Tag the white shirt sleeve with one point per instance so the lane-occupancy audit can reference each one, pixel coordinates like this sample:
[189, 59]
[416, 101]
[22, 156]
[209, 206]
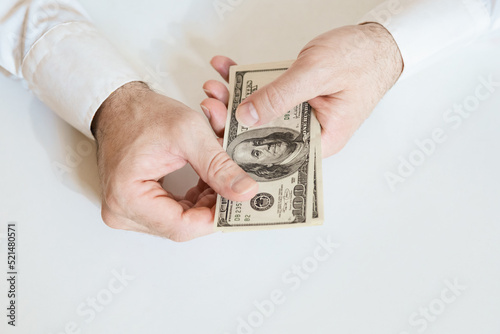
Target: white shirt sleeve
[66, 62]
[424, 28]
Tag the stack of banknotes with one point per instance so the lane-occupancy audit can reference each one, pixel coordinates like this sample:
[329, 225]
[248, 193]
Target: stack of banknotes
[283, 156]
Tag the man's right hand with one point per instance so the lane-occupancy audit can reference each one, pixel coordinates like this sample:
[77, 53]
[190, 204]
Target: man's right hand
[143, 136]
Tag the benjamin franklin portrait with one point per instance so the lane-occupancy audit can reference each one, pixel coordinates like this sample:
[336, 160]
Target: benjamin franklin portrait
[269, 154]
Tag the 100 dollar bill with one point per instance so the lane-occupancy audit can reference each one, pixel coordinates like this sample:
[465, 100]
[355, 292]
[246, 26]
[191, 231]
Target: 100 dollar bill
[283, 156]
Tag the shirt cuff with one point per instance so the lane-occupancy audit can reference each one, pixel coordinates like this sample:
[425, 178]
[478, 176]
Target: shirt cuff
[73, 69]
[426, 27]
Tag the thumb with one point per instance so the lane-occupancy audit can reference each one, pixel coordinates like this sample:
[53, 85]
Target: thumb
[292, 88]
[221, 173]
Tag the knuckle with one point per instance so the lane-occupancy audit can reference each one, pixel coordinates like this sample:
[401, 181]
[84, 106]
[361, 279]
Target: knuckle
[110, 219]
[219, 165]
[118, 198]
[180, 236]
[180, 232]
[112, 202]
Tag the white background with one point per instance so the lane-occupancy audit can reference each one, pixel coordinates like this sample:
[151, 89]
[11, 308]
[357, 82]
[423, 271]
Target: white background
[397, 248]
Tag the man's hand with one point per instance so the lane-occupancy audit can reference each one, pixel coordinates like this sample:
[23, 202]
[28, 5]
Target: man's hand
[343, 74]
[143, 136]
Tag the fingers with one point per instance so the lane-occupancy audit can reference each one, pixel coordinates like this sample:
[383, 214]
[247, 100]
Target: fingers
[221, 64]
[217, 169]
[217, 90]
[150, 210]
[298, 84]
[215, 107]
[339, 120]
[216, 113]
[207, 201]
[197, 192]
[114, 220]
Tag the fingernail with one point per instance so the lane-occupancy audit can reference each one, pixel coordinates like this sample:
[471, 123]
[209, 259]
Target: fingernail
[206, 111]
[246, 114]
[242, 184]
[209, 93]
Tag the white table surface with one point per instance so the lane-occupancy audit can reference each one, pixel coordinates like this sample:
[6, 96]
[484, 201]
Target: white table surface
[397, 248]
